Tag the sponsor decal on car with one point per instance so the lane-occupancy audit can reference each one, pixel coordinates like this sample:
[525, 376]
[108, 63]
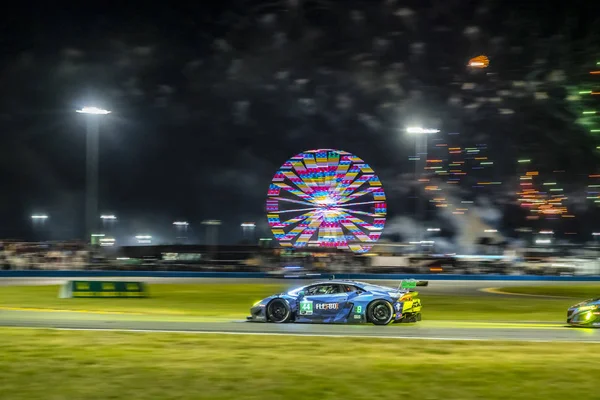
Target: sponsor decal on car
[327, 306]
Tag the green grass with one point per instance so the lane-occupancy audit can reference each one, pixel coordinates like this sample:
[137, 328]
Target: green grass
[53, 365]
[234, 300]
[227, 300]
[577, 291]
[494, 308]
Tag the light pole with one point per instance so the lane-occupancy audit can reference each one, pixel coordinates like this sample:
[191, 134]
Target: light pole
[248, 227]
[39, 222]
[108, 220]
[92, 138]
[420, 162]
[212, 232]
[181, 226]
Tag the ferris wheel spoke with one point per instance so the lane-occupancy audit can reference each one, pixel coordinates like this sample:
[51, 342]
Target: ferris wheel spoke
[308, 203]
[376, 190]
[298, 230]
[362, 224]
[340, 173]
[349, 189]
[298, 210]
[333, 162]
[293, 191]
[355, 204]
[355, 231]
[315, 174]
[299, 182]
[345, 181]
[295, 220]
[309, 231]
[304, 174]
[363, 213]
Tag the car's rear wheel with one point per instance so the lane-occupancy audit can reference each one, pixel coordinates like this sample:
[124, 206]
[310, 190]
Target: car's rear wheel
[380, 312]
[278, 311]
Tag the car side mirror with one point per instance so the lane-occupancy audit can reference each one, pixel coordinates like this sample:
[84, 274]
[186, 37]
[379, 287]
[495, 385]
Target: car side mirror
[301, 294]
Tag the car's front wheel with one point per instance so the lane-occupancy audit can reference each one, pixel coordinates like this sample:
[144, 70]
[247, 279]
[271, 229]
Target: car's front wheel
[380, 312]
[278, 311]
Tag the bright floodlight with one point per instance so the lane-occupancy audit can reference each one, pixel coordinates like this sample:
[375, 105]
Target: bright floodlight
[143, 237]
[490, 230]
[108, 217]
[93, 110]
[433, 229]
[248, 225]
[39, 216]
[211, 222]
[180, 223]
[418, 129]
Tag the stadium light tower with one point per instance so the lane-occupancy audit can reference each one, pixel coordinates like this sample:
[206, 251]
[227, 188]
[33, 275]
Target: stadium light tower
[420, 134]
[181, 227]
[92, 138]
[212, 235]
[248, 227]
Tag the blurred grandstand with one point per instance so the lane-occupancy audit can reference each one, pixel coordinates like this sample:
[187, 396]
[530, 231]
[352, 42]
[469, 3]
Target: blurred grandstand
[491, 258]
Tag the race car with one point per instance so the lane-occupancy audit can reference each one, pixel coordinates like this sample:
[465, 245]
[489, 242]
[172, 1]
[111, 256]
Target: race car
[342, 301]
[586, 313]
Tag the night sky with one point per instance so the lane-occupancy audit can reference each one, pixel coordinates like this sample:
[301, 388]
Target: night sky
[209, 100]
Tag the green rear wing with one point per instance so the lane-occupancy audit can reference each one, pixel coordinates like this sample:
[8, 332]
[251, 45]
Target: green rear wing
[412, 283]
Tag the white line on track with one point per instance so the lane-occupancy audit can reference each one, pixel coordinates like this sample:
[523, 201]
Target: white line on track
[461, 339]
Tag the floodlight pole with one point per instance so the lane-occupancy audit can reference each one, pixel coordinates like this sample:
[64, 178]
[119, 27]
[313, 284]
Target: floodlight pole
[418, 167]
[212, 235]
[91, 202]
[91, 193]
[420, 163]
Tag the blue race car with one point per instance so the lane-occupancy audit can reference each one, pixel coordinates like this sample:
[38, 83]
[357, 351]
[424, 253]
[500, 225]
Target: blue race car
[342, 301]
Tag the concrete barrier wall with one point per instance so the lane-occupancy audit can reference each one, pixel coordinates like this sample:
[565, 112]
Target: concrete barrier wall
[262, 275]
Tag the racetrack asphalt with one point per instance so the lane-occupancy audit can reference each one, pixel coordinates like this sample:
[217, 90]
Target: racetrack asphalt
[433, 330]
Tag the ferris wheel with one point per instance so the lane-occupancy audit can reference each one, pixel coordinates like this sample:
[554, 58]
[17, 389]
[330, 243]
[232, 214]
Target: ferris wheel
[326, 198]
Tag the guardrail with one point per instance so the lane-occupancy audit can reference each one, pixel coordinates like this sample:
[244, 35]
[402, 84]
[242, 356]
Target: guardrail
[263, 275]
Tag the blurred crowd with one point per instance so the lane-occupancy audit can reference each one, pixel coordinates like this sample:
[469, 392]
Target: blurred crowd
[76, 255]
[45, 255]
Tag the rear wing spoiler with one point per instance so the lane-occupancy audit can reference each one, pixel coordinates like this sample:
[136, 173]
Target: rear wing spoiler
[411, 284]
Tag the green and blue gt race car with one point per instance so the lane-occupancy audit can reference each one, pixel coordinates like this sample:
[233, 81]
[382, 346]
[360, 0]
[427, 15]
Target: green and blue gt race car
[586, 314]
[342, 301]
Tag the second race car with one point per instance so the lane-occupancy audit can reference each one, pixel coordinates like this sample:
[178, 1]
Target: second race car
[342, 301]
[585, 314]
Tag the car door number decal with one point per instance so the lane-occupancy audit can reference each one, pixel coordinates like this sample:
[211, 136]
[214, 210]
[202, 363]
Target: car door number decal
[306, 307]
[358, 309]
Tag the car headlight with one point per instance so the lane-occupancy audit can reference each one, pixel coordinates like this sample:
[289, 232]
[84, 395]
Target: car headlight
[588, 307]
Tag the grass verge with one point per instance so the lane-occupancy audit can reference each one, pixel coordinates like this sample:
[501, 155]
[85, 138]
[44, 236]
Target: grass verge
[234, 300]
[53, 364]
[577, 292]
